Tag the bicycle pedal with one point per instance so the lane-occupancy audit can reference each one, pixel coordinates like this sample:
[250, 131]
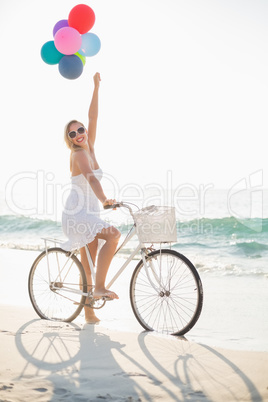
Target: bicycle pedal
[104, 298]
[107, 298]
[85, 305]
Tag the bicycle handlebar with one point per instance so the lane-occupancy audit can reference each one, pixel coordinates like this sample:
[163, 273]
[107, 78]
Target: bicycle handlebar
[117, 205]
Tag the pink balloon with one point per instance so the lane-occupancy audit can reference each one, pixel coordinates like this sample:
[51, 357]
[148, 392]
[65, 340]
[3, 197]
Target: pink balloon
[68, 40]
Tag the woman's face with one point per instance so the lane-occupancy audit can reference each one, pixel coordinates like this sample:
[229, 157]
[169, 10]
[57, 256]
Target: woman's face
[80, 139]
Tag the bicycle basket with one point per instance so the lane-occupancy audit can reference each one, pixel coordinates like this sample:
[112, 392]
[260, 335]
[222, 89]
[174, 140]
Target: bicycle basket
[156, 224]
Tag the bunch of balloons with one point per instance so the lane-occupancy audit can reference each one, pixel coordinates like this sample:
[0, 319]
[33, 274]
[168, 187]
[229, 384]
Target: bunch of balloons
[72, 42]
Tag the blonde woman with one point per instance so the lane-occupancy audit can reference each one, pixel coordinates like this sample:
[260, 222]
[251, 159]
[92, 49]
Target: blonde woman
[80, 220]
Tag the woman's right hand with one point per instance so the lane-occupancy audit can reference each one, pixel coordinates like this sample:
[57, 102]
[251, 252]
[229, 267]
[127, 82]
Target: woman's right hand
[97, 79]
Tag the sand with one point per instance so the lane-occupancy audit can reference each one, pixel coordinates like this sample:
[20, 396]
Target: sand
[223, 358]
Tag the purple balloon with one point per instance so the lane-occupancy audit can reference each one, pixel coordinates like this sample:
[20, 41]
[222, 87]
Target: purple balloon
[60, 24]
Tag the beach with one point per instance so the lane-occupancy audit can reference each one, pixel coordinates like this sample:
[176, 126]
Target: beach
[223, 358]
[178, 94]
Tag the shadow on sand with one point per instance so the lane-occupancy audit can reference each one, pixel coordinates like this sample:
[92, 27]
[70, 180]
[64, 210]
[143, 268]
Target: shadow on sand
[93, 363]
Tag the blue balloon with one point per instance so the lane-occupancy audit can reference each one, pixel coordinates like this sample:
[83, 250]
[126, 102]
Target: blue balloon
[71, 67]
[91, 44]
[81, 51]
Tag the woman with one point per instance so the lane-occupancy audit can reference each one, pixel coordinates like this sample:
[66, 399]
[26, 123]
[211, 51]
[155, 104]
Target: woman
[80, 220]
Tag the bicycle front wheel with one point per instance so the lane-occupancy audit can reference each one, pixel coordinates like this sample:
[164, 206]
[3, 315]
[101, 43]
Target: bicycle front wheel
[55, 285]
[166, 293]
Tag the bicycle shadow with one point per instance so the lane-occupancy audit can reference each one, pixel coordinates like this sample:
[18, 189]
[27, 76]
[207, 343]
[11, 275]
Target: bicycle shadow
[91, 362]
[198, 369]
[77, 360]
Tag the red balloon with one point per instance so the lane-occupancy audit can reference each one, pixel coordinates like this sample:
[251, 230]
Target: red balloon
[82, 18]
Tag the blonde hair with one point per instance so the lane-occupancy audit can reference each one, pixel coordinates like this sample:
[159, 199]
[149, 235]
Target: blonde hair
[73, 147]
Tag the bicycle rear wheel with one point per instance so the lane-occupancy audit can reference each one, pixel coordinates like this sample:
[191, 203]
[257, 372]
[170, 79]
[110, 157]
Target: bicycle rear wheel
[166, 295]
[55, 283]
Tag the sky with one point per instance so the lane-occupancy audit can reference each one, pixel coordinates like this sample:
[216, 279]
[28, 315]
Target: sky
[183, 96]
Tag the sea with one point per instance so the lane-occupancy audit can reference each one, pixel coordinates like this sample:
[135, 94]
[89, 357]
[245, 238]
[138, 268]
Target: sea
[223, 232]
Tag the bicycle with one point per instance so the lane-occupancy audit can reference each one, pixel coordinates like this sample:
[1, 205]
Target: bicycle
[165, 292]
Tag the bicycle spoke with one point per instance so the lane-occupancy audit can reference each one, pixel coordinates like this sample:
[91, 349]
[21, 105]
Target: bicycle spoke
[166, 295]
[54, 285]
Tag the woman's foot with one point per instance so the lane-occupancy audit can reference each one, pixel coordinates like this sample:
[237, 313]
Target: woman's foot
[98, 293]
[90, 316]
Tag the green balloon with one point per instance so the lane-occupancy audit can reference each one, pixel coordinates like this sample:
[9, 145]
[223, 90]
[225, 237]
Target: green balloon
[81, 57]
[50, 54]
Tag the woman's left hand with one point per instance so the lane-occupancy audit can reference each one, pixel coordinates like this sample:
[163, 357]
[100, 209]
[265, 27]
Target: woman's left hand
[109, 202]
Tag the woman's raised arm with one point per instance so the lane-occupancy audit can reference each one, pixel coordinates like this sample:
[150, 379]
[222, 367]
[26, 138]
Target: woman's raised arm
[93, 112]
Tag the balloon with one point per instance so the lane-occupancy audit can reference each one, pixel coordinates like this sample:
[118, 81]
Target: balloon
[50, 54]
[82, 18]
[71, 67]
[81, 51]
[60, 24]
[91, 44]
[81, 57]
[68, 40]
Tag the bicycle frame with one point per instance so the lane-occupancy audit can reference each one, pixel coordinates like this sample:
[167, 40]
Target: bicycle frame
[123, 267]
[140, 248]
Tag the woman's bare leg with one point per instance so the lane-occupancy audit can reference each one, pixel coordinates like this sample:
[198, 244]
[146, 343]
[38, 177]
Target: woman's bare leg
[89, 312]
[111, 236]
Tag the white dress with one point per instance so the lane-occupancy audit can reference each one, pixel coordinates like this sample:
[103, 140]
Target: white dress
[81, 220]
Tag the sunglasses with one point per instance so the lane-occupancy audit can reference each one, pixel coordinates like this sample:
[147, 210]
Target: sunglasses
[73, 134]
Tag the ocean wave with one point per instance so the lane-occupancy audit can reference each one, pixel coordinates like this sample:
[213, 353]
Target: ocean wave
[226, 225]
[27, 226]
[223, 226]
[23, 246]
[26, 233]
[252, 247]
[216, 237]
